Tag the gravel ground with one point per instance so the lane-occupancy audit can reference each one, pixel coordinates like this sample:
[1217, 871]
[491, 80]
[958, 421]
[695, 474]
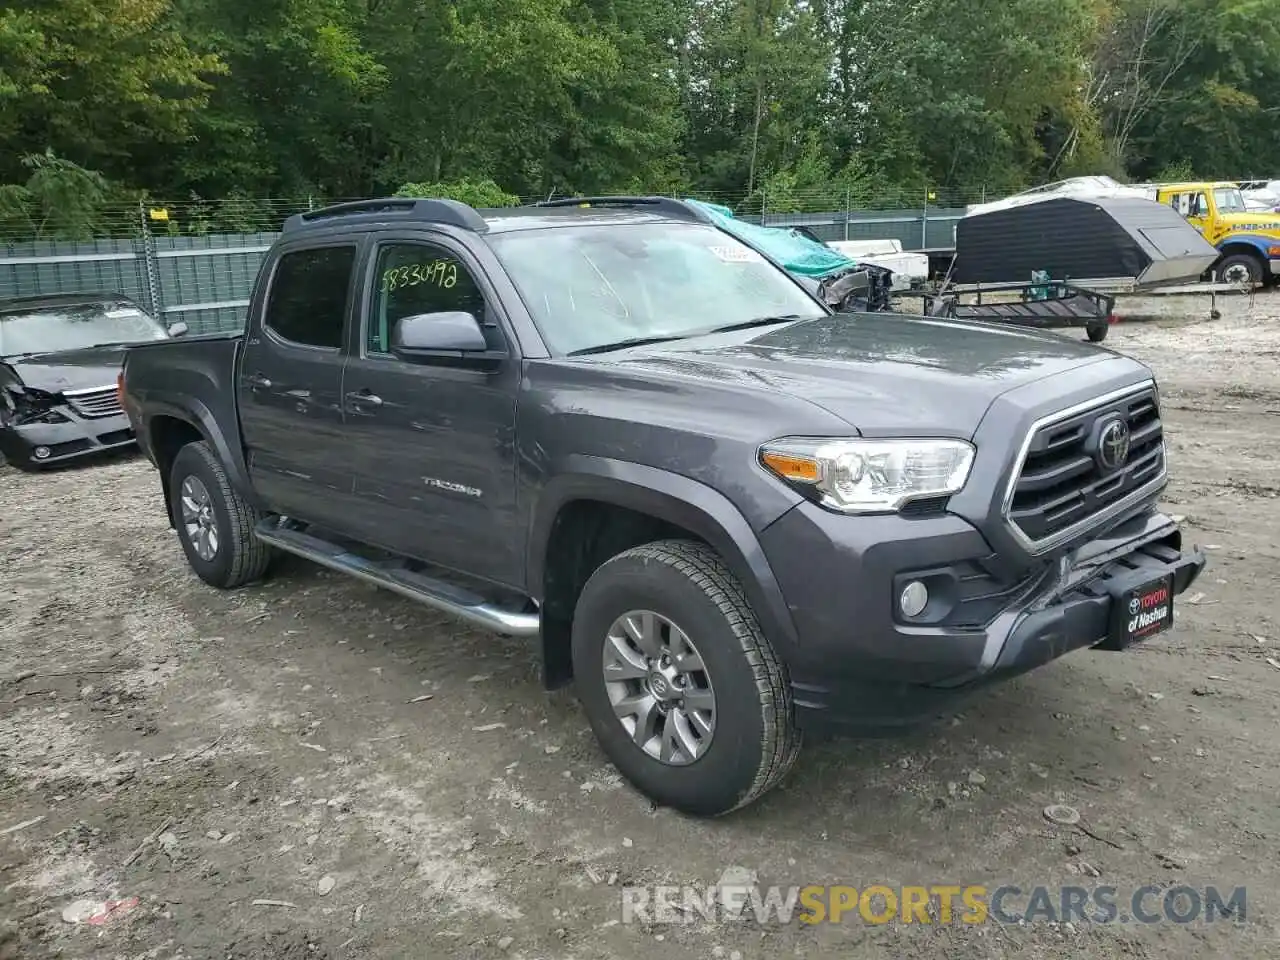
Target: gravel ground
[275, 743]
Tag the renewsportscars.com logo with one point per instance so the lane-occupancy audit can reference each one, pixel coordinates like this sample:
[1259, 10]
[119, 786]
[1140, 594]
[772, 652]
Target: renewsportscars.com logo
[933, 904]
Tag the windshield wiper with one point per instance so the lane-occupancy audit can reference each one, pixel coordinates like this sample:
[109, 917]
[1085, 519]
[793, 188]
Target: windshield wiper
[757, 322]
[630, 342]
[641, 341]
[112, 344]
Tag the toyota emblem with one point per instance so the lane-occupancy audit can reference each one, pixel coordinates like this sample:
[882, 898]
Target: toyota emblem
[1113, 444]
[1135, 605]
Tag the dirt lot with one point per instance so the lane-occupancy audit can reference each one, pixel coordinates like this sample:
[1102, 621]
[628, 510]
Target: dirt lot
[278, 735]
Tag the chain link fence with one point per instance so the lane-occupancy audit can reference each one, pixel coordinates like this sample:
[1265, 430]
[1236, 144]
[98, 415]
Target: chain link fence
[195, 261]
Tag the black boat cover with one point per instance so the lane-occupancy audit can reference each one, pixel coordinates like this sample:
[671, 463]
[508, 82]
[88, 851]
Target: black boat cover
[1076, 239]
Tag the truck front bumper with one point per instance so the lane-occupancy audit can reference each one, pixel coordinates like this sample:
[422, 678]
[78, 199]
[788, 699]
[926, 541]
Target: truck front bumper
[861, 663]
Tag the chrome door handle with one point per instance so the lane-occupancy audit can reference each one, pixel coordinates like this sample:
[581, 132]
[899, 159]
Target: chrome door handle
[364, 398]
[257, 381]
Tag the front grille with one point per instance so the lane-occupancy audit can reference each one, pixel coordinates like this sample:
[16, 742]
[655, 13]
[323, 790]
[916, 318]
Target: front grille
[1062, 482]
[101, 402]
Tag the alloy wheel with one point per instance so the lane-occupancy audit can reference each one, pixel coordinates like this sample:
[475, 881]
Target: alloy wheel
[197, 518]
[659, 687]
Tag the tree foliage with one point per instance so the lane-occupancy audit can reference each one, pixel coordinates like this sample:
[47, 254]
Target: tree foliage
[767, 103]
[476, 193]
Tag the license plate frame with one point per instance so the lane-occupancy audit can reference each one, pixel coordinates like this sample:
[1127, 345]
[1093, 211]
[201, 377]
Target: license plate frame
[1142, 612]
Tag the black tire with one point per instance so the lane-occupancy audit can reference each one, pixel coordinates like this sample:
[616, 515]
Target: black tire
[1096, 332]
[240, 557]
[755, 740]
[1236, 261]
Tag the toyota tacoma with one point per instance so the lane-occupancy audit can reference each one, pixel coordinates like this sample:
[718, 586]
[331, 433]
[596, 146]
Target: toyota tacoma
[727, 513]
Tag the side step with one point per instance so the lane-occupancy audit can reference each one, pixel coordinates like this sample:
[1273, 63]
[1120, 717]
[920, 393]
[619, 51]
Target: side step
[395, 576]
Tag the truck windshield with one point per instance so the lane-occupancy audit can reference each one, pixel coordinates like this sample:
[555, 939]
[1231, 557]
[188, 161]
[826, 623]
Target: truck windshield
[1229, 200]
[74, 327]
[592, 285]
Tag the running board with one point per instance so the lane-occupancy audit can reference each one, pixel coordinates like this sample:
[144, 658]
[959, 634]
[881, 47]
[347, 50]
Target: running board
[446, 597]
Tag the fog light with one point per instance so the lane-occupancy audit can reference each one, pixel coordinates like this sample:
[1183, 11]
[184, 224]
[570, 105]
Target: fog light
[915, 597]
[41, 453]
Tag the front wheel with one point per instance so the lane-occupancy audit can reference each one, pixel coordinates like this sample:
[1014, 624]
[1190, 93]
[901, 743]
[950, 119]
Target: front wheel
[684, 692]
[1240, 268]
[1096, 332]
[214, 523]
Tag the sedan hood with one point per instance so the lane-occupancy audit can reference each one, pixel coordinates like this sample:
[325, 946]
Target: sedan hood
[72, 370]
[884, 374]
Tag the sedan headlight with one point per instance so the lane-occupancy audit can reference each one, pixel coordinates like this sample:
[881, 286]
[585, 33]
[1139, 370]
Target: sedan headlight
[870, 476]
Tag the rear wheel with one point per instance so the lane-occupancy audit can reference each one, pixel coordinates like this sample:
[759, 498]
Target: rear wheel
[684, 692]
[214, 523]
[1096, 332]
[1240, 268]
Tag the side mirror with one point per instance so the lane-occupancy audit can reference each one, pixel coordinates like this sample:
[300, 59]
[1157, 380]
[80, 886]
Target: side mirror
[178, 329]
[447, 334]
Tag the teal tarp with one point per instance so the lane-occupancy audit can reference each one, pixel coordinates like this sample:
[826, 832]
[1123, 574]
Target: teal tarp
[789, 247]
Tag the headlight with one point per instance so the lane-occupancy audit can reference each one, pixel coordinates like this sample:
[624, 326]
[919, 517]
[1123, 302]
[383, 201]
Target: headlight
[870, 476]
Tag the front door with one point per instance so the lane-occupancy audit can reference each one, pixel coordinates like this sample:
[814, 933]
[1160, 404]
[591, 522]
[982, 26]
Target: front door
[433, 443]
[290, 385]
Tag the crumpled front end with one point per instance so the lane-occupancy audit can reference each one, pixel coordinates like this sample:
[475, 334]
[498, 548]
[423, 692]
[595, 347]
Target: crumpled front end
[39, 428]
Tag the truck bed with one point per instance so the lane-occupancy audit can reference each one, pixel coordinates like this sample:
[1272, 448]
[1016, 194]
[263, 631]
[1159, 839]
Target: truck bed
[193, 376]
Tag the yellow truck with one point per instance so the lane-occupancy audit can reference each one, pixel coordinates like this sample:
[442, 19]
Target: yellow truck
[1248, 243]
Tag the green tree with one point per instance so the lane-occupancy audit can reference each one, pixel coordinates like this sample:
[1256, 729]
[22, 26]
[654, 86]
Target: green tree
[755, 84]
[1214, 76]
[476, 193]
[58, 201]
[110, 84]
[292, 115]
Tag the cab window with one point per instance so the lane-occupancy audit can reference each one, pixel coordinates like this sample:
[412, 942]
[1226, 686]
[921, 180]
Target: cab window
[416, 278]
[307, 302]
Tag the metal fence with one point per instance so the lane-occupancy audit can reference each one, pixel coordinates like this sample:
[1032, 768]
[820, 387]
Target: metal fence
[205, 281]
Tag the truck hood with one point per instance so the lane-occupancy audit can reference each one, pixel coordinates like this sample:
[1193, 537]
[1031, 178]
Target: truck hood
[71, 370]
[884, 374]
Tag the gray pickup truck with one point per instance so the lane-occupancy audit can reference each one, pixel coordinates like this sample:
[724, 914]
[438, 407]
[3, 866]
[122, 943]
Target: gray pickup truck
[726, 513]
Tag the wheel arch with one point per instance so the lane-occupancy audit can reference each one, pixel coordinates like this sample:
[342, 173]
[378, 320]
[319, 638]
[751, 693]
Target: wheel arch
[171, 426]
[604, 506]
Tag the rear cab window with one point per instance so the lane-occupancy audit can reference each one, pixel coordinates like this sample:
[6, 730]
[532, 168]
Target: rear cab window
[308, 296]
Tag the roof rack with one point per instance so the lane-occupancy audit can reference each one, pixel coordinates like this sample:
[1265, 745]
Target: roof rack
[668, 206]
[432, 209]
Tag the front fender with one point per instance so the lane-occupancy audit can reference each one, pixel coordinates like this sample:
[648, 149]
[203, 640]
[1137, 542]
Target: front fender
[1258, 242]
[678, 500]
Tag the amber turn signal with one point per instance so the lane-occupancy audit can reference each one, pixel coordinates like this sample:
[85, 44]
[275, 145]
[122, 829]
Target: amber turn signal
[797, 469]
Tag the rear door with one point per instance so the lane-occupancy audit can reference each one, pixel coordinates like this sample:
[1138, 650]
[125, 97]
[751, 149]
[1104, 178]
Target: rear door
[290, 384]
[433, 444]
